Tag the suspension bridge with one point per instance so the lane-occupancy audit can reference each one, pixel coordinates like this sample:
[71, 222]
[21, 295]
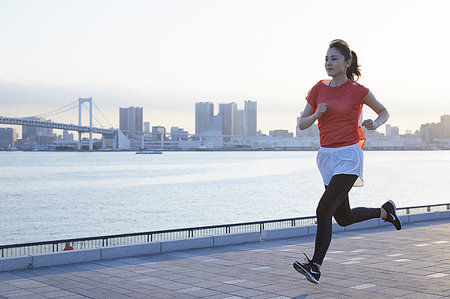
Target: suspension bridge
[41, 121]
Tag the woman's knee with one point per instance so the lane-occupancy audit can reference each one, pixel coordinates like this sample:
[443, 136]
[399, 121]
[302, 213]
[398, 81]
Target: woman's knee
[343, 221]
[323, 211]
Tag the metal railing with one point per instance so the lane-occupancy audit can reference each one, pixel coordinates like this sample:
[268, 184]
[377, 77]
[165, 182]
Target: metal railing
[176, 234]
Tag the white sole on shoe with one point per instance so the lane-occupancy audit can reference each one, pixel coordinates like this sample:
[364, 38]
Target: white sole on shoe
[303, 271]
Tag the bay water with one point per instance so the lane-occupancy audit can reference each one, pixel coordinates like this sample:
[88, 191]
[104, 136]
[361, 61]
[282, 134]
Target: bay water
[58, 195]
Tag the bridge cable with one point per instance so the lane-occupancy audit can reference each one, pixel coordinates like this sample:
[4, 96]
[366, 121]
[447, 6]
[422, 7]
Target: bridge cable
[103, 116]
[56, 111]
[98, 122]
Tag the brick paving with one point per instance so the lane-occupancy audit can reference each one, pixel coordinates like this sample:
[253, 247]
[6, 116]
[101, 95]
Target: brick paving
[369, 263]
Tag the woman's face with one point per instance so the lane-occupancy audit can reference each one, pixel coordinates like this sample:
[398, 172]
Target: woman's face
[335, 63]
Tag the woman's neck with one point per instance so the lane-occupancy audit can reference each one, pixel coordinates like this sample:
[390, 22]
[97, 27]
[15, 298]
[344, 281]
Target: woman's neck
[338, 81]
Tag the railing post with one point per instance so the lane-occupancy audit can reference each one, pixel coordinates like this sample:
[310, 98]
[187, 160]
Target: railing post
[428, 209]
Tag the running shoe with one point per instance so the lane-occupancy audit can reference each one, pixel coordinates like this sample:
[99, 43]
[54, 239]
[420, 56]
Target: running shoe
[310, 270]
[392, 216]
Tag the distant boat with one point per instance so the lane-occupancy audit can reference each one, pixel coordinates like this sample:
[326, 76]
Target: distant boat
[149, 152]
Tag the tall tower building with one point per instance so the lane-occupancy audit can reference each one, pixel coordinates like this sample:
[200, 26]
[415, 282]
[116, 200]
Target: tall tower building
[241, 122]
[395, 131]
[388, 130]
[204, 111]
[158, 132]
[250, 118]
[131, 119]
[146, 127]
[229, 118]
[8, 137]
[445, 126]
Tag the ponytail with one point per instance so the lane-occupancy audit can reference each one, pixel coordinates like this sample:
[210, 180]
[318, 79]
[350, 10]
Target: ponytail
[353, 72]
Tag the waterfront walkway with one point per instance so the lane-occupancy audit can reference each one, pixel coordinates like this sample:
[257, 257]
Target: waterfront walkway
[368, 263]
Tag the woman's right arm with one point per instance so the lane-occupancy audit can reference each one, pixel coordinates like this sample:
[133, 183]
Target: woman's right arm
[310, 115]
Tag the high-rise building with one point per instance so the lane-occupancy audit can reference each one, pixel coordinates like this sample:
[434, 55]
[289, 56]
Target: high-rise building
[229, 118]
[426, 133]
[8, 137]
[395, 131]
[204, 111]
[241, 122]
[392, 130]
[250, 118]
[66, 135]
[146, 127]
[158, 132]
[214, 127]
[37, 134]
[388, 130]
[178, 133]
[445, 126]
[131, 119]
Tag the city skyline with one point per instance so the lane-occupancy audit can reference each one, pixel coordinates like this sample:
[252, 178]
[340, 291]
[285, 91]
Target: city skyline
[230, 129]
[166, 55]
[131, 113]
[39, 135]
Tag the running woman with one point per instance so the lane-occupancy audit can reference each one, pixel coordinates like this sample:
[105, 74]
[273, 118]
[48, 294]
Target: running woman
[337, 104]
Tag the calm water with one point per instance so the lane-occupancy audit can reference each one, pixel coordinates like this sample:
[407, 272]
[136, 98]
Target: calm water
[46, 196]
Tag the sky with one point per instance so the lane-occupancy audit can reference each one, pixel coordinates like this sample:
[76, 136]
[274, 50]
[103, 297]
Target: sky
[166, 55]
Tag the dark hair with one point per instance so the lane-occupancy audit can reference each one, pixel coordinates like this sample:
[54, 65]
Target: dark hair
[353, 72]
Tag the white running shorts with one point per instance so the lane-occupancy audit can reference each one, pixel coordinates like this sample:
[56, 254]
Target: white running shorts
[341, 160]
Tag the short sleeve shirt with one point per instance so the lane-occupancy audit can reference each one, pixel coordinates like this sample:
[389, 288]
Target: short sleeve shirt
[338, 126]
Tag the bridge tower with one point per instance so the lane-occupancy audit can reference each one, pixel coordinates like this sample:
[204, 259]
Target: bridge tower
[80, 102]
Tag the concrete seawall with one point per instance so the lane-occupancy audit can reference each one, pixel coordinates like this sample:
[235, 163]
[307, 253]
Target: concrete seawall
[105, 253]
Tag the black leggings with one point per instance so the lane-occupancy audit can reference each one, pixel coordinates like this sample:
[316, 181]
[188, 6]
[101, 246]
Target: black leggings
[334, 202]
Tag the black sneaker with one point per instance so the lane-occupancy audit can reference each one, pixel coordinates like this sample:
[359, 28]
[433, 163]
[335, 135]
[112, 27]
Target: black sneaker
[310, 270]
[392, 216]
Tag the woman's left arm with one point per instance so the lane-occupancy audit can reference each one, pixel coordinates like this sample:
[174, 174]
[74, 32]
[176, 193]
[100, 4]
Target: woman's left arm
[376, 106]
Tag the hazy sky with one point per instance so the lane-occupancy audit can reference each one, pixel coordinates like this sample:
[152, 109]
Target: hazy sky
[165, 55]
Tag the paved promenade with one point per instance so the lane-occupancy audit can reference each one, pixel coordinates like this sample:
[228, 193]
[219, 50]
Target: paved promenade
[369, 263]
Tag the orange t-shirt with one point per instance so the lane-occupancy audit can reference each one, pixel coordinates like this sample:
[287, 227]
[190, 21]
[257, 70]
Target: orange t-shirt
[338, 126]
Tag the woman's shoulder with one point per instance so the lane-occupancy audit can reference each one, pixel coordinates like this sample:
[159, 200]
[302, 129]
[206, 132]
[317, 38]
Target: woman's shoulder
[321, 83]
[314, 92]
[356, 84]
[358, 89]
